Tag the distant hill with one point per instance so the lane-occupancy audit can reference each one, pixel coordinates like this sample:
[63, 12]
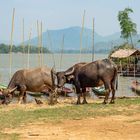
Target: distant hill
[52, 39]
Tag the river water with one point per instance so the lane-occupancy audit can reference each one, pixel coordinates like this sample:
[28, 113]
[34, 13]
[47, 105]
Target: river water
[20, 61]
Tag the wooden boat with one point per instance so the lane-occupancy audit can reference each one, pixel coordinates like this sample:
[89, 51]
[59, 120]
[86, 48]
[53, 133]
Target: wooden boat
[35, 94]
[135, 86]
[99, 91]
[65, 91]
[2, 86]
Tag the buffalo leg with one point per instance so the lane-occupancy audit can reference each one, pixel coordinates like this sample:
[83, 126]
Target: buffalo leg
[51, 96]
[78, 91]
[22, 93]
[56, 95]
[113, 93]
[21, 97]
[78, 99]
[24, 97]
[84, 96]
[108, 89]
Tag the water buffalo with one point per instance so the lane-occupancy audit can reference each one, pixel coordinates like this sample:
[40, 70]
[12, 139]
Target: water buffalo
[68, 77]
[33, 80]
[94, 74]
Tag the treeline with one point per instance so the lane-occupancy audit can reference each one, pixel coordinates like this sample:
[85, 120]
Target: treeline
[33, 49]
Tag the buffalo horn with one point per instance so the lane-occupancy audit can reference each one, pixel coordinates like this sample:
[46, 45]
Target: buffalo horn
[11, 90]
[70, 72]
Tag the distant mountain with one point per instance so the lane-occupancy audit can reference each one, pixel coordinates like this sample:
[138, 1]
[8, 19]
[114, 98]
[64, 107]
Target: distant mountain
[52, 39]
[71, 38]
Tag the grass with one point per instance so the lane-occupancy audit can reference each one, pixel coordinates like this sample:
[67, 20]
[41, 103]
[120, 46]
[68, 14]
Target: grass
[15, 117]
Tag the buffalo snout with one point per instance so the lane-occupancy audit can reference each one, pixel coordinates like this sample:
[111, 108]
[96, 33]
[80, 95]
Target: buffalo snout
[59, 86]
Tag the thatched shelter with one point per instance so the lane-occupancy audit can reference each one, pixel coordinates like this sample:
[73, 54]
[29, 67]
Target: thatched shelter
[125, 53]
[127, 59]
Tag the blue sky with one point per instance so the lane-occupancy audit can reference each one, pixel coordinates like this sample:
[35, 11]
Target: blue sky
[57, 14]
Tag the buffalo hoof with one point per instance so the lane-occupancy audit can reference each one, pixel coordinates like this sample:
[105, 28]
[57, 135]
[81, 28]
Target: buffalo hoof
[56, 102]
[84, 102]
[112, 102]
[104, 103]
[51, 103]
[78, 103]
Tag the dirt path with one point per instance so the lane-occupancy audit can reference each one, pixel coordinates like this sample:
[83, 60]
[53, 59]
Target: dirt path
[109, 128]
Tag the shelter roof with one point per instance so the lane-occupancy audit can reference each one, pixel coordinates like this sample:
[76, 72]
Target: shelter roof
[124, 53]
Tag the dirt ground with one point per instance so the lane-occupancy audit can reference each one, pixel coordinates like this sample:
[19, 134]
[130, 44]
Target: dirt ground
[100, 128]
[117, 127]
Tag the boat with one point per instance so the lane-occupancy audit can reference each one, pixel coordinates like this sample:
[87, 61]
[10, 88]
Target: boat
[99, 91]
[135, 86]
[35, 94]
[65, 91]
[2, 86]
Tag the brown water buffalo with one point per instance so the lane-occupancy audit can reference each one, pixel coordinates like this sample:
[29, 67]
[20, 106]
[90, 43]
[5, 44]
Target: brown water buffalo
[33, 80]
[94, 74]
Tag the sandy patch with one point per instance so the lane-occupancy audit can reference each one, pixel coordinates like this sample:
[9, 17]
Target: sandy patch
[100, 128]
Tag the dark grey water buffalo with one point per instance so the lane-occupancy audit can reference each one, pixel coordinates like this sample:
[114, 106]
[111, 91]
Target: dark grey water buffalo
[94, 74]
[33, 80]
[68, 77]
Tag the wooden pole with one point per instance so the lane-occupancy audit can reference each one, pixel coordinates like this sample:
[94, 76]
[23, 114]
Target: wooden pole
[41, 45]
[23, 45]
[50, 42]
[29, 46]
[62, 48]
[11, 43]
[81, 35]
[93, 53]
[38, 33]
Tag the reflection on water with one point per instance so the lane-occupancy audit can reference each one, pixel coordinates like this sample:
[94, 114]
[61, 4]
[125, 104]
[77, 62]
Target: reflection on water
[20, 61]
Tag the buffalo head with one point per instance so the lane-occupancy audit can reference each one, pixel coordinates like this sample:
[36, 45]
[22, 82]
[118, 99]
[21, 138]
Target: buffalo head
[8, 92]
[6, 95]
[64, 77]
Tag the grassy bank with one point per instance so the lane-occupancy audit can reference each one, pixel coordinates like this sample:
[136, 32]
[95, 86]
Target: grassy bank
[15, 117]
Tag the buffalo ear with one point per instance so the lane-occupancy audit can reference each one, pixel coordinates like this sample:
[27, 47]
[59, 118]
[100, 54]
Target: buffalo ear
[70, 77]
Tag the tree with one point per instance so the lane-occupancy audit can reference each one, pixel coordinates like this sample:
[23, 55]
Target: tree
[128, 28]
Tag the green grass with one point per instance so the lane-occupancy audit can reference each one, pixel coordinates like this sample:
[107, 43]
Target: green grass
[14, 118]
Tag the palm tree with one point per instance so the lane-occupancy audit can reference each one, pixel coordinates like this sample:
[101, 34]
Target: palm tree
[128, 28]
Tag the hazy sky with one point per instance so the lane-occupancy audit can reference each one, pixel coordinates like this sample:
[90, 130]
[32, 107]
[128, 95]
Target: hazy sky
[56, 14]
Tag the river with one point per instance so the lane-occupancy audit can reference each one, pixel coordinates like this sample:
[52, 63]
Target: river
[20, 61]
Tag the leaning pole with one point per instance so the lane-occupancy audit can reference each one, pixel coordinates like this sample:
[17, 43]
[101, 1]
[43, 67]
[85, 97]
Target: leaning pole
[29, 47]
[93, 52]
[61, 55]
[11, 44]
[38, 34]
[23, 45]
[81, 35]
